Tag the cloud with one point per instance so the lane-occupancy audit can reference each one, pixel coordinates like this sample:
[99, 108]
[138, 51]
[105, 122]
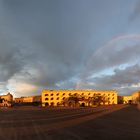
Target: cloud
[136, 11]
[114, 66]
[47, 44]
[124, 80]
[122, 50]
[38, 50]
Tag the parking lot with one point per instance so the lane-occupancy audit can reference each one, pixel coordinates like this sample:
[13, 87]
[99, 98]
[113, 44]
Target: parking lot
[104, 122]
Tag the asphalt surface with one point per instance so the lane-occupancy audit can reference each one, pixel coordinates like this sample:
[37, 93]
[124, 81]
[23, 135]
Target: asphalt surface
[105, 122]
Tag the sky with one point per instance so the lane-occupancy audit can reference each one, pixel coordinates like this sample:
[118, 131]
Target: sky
[69, 44]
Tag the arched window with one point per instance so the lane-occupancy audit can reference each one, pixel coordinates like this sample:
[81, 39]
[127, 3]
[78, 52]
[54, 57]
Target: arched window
[52, 104]
[46, 104]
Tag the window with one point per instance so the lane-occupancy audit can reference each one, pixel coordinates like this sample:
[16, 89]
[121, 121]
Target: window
[57, 98]
[51, 94]
[63, 93]
[46, 99]
[57, 94]
[46, 104]
[46, 94]
[51, 98]
[82, 93]
[63, 98]
[52, 104]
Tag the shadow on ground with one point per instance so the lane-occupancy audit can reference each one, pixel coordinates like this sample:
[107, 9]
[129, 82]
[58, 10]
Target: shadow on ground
[122, 124]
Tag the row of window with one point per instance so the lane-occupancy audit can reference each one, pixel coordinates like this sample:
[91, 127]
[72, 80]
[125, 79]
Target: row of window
[77, 93]
[65, 98]
[53, 98]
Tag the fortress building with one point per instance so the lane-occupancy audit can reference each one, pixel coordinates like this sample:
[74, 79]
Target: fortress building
[6, 100]
[56, 97]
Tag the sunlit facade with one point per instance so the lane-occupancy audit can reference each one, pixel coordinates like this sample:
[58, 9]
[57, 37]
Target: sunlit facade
[6, 100]
[28, 99]
[55, 97]
[127, 99]
[136, 97]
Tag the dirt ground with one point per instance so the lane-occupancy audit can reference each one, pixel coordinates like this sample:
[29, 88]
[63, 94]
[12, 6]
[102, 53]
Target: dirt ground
[105, 122]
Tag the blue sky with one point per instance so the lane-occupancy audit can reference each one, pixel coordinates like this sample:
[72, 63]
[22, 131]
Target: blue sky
[68, 44]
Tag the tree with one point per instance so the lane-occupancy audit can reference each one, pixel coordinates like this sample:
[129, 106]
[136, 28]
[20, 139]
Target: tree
[72, 100]
[98, 99]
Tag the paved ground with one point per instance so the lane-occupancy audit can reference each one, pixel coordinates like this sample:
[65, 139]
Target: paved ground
[110, 122]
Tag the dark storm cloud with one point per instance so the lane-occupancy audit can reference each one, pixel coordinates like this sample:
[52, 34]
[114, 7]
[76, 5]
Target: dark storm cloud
[113, 55]
[9, 56]
[136, 11]
[53, 41]
[47, 44]
[104, 69]
[125, 81]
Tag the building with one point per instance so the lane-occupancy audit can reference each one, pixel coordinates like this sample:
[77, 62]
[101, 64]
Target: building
[55, 97]
[6, 100]
[127, 99]
[19, 100]
[136, 97]
[29, 99]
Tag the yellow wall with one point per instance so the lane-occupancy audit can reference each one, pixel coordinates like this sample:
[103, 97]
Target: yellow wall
[127, 99]
[8, 100]
[28, 99]
[57, 96]
[18, 100]
[136, 97]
